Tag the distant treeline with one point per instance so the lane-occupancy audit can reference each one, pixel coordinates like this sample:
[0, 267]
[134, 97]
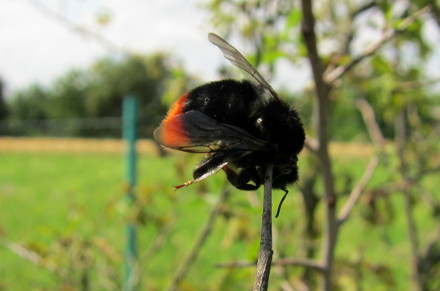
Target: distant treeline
[88, 102]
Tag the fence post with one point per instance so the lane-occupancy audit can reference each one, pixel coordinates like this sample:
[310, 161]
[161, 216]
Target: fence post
[129, 132]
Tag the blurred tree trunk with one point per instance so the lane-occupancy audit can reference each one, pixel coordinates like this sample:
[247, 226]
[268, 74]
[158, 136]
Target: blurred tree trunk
[401, 137]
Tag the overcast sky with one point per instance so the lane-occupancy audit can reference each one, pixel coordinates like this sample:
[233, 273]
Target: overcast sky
[35, 47]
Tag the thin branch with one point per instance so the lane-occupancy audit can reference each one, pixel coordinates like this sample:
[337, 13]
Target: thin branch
[312, 145]
[401, 138]
[321, 115]
[387, 35]
[280, 262]
[357, 191]
[147, 257]
[349, 35]
[105, 42]
[308, 32]
[206, 231]
[300, 262]
[363, 8]
[236, 264]
[25, 253]
[265, 254]
[411, 85]
[369, 117]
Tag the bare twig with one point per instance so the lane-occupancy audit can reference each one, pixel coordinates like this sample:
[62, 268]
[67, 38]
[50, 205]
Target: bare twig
[357, 191]
[411, 85]
[280, 262]
[369, 117]
[105, 42]
[236, 264]
[300, 262]
[312, 145]
[387, 35]
[25, 253]
[349, 35]
[323, 86]
[321, 114]
[185, 266]
[265, 254]
[155, 247]
[363, 8]
[401, 137]
[308, 32]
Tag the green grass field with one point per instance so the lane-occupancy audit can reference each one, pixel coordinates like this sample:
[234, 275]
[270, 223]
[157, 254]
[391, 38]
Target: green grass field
[63, 216]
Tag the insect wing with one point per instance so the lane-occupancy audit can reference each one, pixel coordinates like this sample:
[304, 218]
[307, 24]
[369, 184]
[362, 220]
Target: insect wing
[238, 60]
[196, 132]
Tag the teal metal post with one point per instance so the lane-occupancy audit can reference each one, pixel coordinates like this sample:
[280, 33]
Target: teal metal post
[129, 132]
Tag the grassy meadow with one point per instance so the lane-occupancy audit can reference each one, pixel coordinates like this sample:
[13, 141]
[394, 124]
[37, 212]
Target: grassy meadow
[63, 217]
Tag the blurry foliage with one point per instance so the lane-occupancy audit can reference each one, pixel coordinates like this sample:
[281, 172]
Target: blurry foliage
[272, 30]
[97, 92]
[372, 246]
[29, 103]
[3, 106]
[398, 87]
[75, 215]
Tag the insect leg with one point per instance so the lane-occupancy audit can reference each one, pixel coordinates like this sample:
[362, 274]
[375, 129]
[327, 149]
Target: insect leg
[209, 166]
[241, 179]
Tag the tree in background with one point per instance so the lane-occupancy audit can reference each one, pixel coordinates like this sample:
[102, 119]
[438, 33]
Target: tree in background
[368, 62]
[366, 88]
[3, 106]
[76, 101]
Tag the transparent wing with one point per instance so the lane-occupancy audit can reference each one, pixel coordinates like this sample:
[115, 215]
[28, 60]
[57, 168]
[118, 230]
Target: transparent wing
[238, 60]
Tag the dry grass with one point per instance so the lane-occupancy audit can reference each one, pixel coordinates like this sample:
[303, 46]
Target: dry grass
[72, 145]
[143, 146]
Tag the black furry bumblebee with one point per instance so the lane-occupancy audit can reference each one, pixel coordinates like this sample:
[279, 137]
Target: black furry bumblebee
[242, 127]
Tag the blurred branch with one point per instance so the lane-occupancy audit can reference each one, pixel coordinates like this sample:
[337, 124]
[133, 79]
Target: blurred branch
[105, 42]
[363, 8]
[280, 262]
[237, 264]
[435, 10]
[387, 35]
[357, 191]
[206, 231]
[410, 85]
[349, 35]
[24, 252]
[308, 32]
[369, 117]
[312, 145]
[401, 137]
[321, 115]
[264, 262]
[300, 262]
[155, 247]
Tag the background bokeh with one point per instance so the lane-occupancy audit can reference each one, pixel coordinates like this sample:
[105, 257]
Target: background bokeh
[369, 175]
